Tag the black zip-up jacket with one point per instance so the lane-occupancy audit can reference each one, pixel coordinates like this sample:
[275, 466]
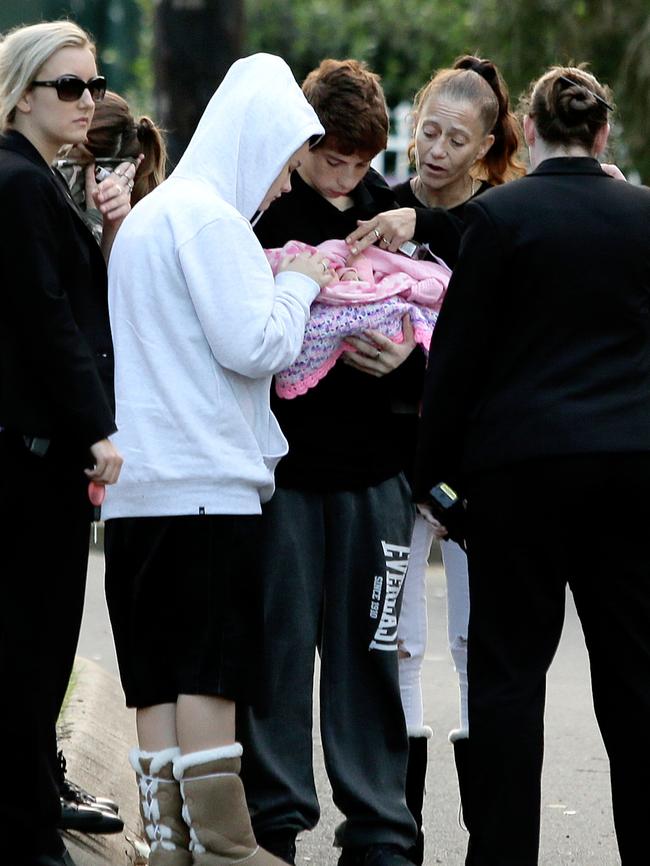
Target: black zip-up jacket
[351, 430]
[56, 354]
[542, 347]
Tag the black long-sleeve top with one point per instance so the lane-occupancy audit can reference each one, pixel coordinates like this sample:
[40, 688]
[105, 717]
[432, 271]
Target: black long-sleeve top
[352, 430]
[441, 228]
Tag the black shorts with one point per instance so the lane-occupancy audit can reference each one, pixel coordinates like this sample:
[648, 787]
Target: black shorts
[184, 605]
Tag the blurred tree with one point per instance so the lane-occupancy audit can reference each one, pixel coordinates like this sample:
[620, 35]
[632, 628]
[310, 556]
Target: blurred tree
[406, 41]
[526, 36]
[115, 25]
[14, 12]
[195, 41]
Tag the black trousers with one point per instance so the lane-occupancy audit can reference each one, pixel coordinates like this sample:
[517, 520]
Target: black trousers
[593, 511]
[45, 517]
[332, 575]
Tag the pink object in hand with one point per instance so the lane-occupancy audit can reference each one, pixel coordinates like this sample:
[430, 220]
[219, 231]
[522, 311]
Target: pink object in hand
[96, 493]
[373, 291]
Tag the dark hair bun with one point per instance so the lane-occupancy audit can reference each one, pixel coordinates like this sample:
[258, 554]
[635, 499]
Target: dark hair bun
[569, 106]
[574, 103]
[485, 68]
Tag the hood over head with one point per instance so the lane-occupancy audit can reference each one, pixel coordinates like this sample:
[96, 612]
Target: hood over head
[256, 120]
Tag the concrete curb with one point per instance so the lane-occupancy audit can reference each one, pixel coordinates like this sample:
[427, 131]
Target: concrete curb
[96, 732]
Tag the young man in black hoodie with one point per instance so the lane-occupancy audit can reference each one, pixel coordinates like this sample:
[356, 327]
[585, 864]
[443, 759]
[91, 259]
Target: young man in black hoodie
[338, 530]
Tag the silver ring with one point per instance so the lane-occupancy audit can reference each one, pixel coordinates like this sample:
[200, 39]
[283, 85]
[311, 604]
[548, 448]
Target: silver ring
[377, 233]
[324, 266]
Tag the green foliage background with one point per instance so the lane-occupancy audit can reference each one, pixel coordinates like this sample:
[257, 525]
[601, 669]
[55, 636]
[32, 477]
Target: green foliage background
[121, 28]
[406, 41]
[403, 40]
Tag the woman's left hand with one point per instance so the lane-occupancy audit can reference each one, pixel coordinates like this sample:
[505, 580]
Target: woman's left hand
[439, 531]
[613, 171]
[388, 230]
[377, 354]
[112, 196]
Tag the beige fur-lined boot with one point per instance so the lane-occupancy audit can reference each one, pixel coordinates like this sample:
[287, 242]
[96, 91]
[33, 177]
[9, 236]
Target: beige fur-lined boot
[214, 807]
[161, 807]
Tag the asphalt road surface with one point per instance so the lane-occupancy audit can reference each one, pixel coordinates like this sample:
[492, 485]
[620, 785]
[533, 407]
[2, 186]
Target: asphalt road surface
[577, 823]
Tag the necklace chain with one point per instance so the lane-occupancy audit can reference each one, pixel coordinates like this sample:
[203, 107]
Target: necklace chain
[420, 193]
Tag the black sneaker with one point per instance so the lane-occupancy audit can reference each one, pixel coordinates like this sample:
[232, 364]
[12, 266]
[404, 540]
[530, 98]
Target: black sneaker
[375, 855]
[88, 819]
[73, 793]
[282, 843]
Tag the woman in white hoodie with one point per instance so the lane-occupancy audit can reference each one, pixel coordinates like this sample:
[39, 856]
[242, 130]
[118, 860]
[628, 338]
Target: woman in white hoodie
[200, 325]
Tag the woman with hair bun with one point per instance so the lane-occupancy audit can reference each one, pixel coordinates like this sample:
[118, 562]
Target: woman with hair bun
[466, 140]
[536, 407]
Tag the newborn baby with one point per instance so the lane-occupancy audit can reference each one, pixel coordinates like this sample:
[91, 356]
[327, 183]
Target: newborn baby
[374, 291]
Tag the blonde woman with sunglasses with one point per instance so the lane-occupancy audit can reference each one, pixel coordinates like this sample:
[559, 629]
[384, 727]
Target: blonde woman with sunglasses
[56, 411]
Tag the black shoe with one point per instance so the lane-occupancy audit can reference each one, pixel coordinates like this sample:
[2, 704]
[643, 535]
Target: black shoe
[461, 758]
[282, 843]
[375, 855]
[76, 794]
[416, 773]
[88, 819]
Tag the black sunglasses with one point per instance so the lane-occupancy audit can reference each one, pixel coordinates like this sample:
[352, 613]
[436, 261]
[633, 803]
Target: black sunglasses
[70, 88]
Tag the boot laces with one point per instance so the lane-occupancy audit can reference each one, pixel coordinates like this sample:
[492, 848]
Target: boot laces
[159, 833]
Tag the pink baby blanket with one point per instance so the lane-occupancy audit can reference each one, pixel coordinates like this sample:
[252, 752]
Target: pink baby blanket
[375, 290]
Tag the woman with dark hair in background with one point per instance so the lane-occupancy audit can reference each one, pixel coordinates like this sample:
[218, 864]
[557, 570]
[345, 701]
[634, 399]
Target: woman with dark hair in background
[134, 152]
[536, 409]
[116, 135]
[466, 140]
[114, 139]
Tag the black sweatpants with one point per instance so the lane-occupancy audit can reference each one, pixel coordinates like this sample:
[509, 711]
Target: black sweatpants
[333, 570]
[531, 529]
[45, 517]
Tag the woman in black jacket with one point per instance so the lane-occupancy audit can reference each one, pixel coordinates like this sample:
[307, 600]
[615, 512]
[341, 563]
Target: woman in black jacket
[56, 411]
[536, 408]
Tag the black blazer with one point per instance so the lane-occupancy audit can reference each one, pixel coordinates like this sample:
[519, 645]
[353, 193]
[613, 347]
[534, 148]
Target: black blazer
[542, 347]
[56, 355]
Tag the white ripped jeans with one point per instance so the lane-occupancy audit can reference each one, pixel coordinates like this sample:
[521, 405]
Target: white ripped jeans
[413, 624]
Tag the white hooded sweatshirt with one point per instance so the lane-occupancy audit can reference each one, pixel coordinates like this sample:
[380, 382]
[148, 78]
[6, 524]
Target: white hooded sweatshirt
[199, 322]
